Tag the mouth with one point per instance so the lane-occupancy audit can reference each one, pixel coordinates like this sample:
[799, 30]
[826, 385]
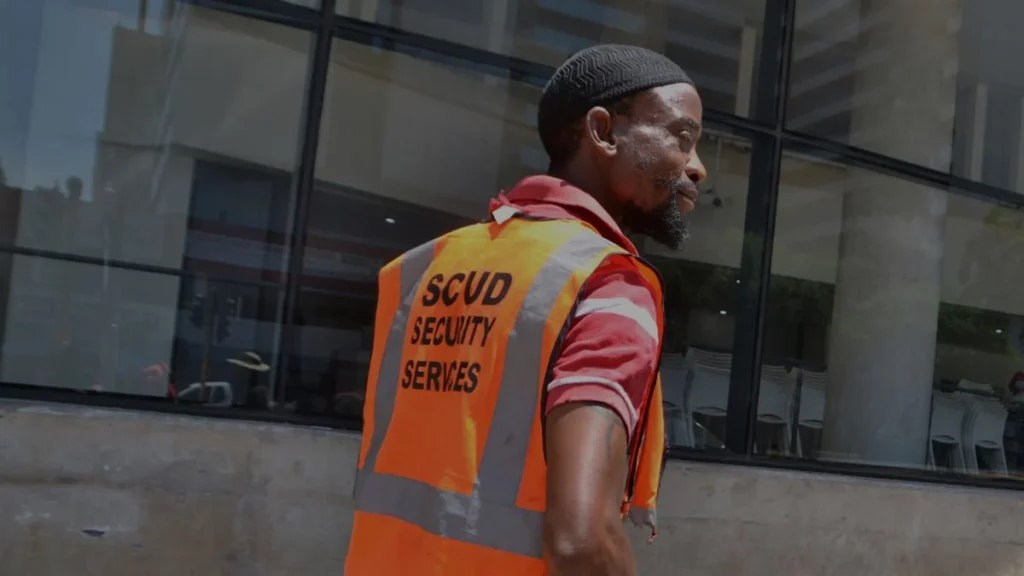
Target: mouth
[687, 198]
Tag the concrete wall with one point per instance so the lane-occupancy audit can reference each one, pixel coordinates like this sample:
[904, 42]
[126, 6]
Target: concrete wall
[86, 491]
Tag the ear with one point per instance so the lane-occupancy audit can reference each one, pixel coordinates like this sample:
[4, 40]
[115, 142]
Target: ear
[598, 130]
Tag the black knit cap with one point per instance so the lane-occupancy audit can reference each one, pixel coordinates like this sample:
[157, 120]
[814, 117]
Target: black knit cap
[598, 76]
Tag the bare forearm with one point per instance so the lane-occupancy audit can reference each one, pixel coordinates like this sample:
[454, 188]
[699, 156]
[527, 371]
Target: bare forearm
[583, 532]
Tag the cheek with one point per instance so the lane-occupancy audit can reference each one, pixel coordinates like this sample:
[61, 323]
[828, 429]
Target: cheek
[640, 172]
[664, 158]
[645, 152]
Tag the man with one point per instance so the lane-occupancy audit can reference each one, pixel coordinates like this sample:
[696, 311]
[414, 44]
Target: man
[514, 361]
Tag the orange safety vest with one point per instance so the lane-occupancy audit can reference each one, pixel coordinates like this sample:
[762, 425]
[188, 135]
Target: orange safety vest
[642, 508]
[451, 476]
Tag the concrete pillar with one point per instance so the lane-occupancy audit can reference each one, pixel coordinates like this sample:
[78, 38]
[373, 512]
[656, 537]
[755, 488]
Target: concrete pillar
[976, 166]
[888, 284]
[498, 39]
[1019, 180]
[745, 77]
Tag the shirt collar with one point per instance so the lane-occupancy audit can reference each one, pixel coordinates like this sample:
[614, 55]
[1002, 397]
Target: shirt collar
[543, 189]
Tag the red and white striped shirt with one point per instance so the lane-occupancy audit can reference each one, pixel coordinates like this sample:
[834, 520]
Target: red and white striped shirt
[611, 346]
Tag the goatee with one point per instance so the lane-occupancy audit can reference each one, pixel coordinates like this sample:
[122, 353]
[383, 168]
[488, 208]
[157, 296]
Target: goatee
[664, 224]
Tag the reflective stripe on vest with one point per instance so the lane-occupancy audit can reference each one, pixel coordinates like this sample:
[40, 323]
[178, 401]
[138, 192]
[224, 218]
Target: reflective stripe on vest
[488, 516]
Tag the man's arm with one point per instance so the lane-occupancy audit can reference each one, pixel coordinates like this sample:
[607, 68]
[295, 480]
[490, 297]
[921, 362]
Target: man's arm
[597, 388]
[586, 452]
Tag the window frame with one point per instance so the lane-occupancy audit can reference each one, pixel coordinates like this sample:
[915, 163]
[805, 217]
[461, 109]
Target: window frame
[765, 128]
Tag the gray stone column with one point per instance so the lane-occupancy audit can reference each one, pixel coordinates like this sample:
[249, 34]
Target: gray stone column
[888, 284]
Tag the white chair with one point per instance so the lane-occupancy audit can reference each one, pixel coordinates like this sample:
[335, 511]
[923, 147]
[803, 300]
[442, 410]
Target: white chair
[707, 394]
[812, 404]
[696, 356]
[774, 407]
[983, 428]
[718, 360]
[947, 424]
[675, 426]
[819, 379]
[673, 386]
[970, 387]
[780, 373]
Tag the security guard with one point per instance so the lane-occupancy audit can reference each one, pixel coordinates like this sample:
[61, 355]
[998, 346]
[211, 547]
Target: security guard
[513, 412]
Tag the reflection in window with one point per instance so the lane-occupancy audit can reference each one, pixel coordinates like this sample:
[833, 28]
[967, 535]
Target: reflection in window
[87, 327]
[83, 326]
[108, 124]
[411, 149]
[225, 340]
[716, 42]
[938, 87]
[352, 235]
[894, 322]
[165, 139]
[701, 283]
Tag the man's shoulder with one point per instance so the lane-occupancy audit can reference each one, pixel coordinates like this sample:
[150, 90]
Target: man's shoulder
[619, 273]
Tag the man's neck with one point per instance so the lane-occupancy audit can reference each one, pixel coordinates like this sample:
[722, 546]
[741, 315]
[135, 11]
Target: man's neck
[586, 181]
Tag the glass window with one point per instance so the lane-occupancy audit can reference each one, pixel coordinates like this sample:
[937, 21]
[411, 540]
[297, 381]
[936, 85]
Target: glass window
[716, 42]
[894, 325]
[104, 329]
[117, 133]
[937, 87]
[133, 143]
[410, 149]
[701, 291]
[85, 327]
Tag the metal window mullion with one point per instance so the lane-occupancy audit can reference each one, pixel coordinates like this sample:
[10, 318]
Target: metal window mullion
[274, 11]
[449, 53]
[759, 225]
[832, 151]
[43, 254]
[305, 177]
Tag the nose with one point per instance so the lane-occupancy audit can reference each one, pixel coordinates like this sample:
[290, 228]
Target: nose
[695, 169]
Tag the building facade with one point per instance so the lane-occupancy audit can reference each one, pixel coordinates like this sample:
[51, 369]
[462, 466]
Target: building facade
[196, 197]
